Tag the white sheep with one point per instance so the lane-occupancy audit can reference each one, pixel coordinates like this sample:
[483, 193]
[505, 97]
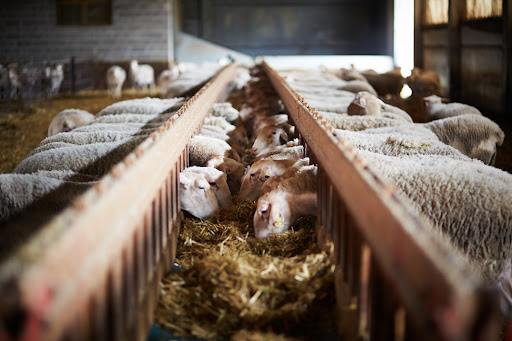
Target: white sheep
[143, 106]
[197, 196]
[234, 171]
[437, 110]
[474, 135]
[203, 148]
[19, 191]
[218, 182]
[226, 110]
[142, 76]
[69, 119]
[99, 136]
[258, 173]
[470, 202]
[115, 78]
[165, 79]
[278, 209]
[368, 104]
[357, 123]
[271, 136]
[274, 181]
[55, 75]
[90, 159]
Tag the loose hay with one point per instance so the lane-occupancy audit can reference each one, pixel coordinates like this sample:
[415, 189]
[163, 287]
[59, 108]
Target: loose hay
[234, 285]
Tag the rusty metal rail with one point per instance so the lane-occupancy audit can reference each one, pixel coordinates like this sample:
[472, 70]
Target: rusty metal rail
[92, 273]
[393, 280]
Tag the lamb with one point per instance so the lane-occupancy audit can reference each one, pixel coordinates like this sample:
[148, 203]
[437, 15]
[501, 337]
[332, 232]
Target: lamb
[90, 159]
[115, 78]
[474, 135]
[68, 120]
[390, 82]
[142, 76]
[197, 196]
[261, 121]
[203, 148]
[165, 78]
[234, 171]
[19, 191]
[143, 106]
[424, 83]
[471, 203]
[278, 209]
[226, 110]
[258, 173]
[271, 136]
[218, 182]
[436, 109]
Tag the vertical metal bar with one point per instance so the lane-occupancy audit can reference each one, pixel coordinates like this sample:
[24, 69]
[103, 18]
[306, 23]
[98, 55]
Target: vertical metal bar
[364, 291]
[382, 304]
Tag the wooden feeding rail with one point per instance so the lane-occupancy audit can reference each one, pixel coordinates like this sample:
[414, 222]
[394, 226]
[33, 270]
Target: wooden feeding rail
[92, 273]
[393, 281]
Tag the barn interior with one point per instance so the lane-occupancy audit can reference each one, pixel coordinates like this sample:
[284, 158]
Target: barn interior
[101, 239]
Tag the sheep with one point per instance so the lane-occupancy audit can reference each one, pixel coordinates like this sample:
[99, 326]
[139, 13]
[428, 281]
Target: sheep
[424, 83]
[234, 171]
[390, 82]
[226, 110]
[126, 118]
[258, 173]
[99, 136]
[213, 131]
[326, 104]
[218, 182]
[69, 119]
[357, 86]
[144, 106]
[197, 196]
[165, 78]
[142, 76]
[274, 181]
[271, 136]
[115, 78]
[278, 209]
[220, 122]
[365, 103]
[474, 135]
[437, 110]
[261, 121]
[126, 127]
[203, 148]
[471, 203]
[55, 75]
[90, 159]
[20, 191]
[357, 123]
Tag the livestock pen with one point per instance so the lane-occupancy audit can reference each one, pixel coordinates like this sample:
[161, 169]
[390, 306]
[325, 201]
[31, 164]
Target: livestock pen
[76, 279]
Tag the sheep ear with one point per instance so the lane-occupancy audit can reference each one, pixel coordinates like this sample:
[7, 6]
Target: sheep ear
[283, 137]
[185, 181]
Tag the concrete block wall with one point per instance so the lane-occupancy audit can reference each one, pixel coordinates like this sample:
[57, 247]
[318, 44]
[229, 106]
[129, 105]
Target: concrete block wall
[28, 32]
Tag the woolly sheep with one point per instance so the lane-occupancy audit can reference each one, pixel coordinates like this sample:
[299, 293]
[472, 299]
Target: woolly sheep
[278, 209]
[470, 202]
[165, 78]
[271, 136]
[436, 109]
[69, 119]
[357, 86]
[274, 181]
[220, 122]
[142, 76]
[145, 106]
[358, 123]
[203, 148]
[20, 191]
[197, 196]
[424, 83]
[218, 182]
[132, 118]
[234, 171]
[226, 110]
[258, 173]
[261, 121]
[474, 135]
[390, 82]
[99, 136]
[124, 127]
[115, 78]
[365, 103]
[91, 159]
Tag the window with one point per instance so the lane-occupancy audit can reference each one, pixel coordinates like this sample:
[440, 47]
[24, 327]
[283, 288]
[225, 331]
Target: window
[484, 8]
[84, 12]
[436, 12]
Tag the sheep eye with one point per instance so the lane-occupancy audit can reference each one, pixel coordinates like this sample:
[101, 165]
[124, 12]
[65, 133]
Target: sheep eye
[214, 184]
[274, 132]
[263, 211]
[253, 174]
[267, 176]
[201, 187]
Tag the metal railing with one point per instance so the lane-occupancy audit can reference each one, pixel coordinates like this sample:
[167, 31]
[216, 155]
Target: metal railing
[393, 280]
[93, 272]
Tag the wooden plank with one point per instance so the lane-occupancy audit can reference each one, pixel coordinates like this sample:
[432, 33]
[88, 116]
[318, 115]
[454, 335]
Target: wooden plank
[418, 32]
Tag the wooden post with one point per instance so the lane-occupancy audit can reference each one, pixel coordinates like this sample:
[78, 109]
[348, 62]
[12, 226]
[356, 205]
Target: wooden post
[455, 14]
[507, 59]
[418, 33]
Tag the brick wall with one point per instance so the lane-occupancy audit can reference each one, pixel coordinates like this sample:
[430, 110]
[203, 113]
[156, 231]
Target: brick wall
[28, 32]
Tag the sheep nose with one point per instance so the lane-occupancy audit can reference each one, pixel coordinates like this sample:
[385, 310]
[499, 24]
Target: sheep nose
[254, 150]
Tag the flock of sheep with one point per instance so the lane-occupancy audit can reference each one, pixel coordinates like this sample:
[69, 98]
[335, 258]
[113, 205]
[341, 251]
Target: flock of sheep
[443, 166]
